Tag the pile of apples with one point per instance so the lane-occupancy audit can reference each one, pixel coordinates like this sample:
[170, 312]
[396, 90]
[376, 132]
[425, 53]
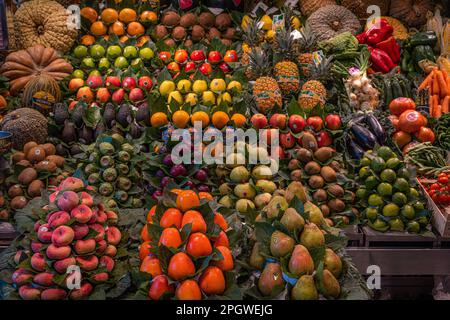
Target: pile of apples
[74, 232]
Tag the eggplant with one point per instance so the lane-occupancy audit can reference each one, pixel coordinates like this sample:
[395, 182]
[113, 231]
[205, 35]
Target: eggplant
[376, 128]
[77, 115]
[109, 115]
[359, 119]
[355, 149]
[363, 136]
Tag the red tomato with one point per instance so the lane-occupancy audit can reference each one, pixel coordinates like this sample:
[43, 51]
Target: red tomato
[411, 121]
[394, 121]
[401, 138]
[443, 179]
[425, 134]
[400, 105]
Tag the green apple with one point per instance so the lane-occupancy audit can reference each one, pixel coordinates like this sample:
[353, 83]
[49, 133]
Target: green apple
[113, 52]
[103, 64]
[146, 54]
[80, 51]
[97, 51]
[130, 52]
[121, 63]
[88, 63]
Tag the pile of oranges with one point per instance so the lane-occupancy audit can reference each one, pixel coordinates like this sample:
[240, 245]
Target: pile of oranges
[125, 24]
[182, 278]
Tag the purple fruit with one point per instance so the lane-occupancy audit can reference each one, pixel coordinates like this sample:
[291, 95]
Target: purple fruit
[160, 173]
[190, 184]
[165, 181]
[168, 160]
[178, 170]
[203, 188]
[156, 194]
[201, 175]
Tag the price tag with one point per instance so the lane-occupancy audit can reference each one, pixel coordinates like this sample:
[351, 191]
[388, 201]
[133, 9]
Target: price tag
[278, 22]
[291, 3]
[260, 6]
[296, 34]
[317, 57]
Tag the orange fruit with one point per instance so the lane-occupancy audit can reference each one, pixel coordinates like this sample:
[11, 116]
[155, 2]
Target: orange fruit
[85, 93]
[109, 15]
[188, 290]
[98, 28]
[144, 234]
[89, 14]
[158, 119]
[180, 118]
[187, 199]
[212, 281]
[170, 237]
[160, 287]
[239, 120]
[205, 195]
[148, 17]
[127, 15]
[117, 28]
[135, 29]
[151, 213]
[177, 191]
[171, 217]
[221, 240]
[142, 40]
[151, 265]
[201, 116]
[106, 38]
[220, 221]
[226, 264]
[123, 39]
[3, 102]
[87, 40]
[198, 245]
[196, 218]
[144, 250]
[220, 119]
[180, 266]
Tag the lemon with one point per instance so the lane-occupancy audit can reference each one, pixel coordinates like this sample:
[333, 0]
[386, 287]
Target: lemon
[246, 48]
[408, 211]
[270, 35]
[166, 87]
[191, 98]
[266, 22]
[217, 85]
[184, 86]
[234, 85]
[199, 86]
[245, 21]
[296, 23]
[175, 95]
[375, 200]
[371, 213]
[384, 189]
[391, 210]
[225, 97]
[208, 97]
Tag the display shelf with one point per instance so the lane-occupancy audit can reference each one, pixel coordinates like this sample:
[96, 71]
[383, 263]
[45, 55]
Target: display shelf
[393, 239]
[354, 235]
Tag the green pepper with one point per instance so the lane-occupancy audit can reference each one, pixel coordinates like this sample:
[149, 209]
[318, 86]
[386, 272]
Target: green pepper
[423, 38]
[422, 52]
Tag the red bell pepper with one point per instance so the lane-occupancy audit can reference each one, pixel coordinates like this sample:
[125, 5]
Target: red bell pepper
[378, 32]
[391, 47]
[381, 60]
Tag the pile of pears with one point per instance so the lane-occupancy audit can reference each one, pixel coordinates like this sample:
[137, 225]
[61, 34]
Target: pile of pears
[296, 257]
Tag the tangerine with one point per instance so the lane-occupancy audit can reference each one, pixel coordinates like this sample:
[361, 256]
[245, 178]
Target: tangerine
[109, 15]
[151, 213]
[170, 237]
[127, 15]
[117, 28]
[89, 13]
[144, 250]
[171, 217]
[160, 287]
[135, 29]
[212, 281]
[98, 28]
[151, 265]
[226, 264]
[180, 118]
[201, 116]
[180, 266]
[221, 240]
[187, 199]
[144, 234]
[220, 119]
[239, 120]
[158, 119]
[198, 245]
[188, 290]
[196, 219]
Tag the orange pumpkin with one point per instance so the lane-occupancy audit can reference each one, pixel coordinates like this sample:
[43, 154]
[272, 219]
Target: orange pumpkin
[411, 121]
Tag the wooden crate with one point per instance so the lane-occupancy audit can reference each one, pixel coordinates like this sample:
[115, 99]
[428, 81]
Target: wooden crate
[354, 235]
[397, 239]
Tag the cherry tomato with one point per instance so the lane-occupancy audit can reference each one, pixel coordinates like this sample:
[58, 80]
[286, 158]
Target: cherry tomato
[443, 179]
[435, 186]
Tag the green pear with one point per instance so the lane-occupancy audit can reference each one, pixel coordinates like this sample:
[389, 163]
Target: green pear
[266, 186]
[224, 189]
[301, 261]
[239, 174]
[305, 289]
[276, 204]
[271, 278]
[226, 201]
[256, 259]
[281, 244]
[292, 220]
[243, 205]
[330, 286]
[261, 172]
[332, 262]
[244, 191]
[311, 236]
[263, 199]
[315, 214]
[296, 188]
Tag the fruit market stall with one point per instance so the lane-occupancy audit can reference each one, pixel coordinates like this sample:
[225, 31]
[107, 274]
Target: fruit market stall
[118, 171]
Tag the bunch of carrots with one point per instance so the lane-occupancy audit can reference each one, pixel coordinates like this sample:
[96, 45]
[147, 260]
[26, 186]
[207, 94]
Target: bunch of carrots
[438, 84]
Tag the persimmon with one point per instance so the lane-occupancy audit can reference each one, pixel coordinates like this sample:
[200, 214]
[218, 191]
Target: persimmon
[180, 119]
[220, 221]
[98, 28]
[144, 234]
[171, 217]
[187, 199]
[170, 237]
[117, 28]
[239, 120]
[196, 219]
[226, 264]
[221, 240]
[200, 116]
[212, 281]
[127, 15]
[109, 15]
[151, 213]
[198, 245]
[220, 119]
[144, 250]
[401, 138]
[188, 290]
[89, 14]
[159, 287]
[151, 265]
[135, 29]
[158, 119]
[205, 195]
[180, 266]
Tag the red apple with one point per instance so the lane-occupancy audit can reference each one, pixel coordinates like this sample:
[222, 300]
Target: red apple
[94, 82]
[278, 120]
[85, 93]
[324, 139]
[145, 83]
[206, 69]
[75, 84]
[259, 120]
[165, 56]
[225, 67]
[315, 122]
[136, 94]
[118, 95]
[197, 55]
[173, 67]
[231, 56]
[333, 122]
[296, 123]
[287, 140]
[190, 66]
[112, 82]
[103, 95]
[214, 57]
[129, 83]
[181, 56]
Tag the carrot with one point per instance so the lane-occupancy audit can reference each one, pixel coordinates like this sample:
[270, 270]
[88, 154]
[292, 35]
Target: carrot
[435, 85]
[438, 111]
[435, 105]
[443, 91]
[445, 74]
[426, 81]
[446, 104]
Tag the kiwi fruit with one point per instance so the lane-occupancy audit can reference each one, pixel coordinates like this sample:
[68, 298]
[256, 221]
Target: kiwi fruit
[316, 182]
[226, 42]
[214, 33]
[27, 147]
[24, 163]
[18, 202]
[312, 168]
[328, 174]
[188, 43]
[304, 155]
[35, 187]
[58, 160]
[197, 33]
[179, 33]
[335, 165]
[170, 42]
[170, 19]
[206, 20]
[296, 175]
[325, 210]
[15, 190]
[336, 205]
[46, 166]
[161, 32]
[17, 156]
[36, 154]
[336, 190]
[320, 195]
[229, 33]
[49, 149]
[223, 21]
[309, 141]
[324, 154]
[188, 20]
[27, 175]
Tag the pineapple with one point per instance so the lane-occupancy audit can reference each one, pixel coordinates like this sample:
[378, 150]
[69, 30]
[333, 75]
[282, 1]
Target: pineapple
[313, 93]
[286, 71]
[253, 37]
[303, 48]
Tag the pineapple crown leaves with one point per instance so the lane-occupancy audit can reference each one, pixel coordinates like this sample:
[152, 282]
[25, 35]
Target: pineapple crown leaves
[260, 60]
[284, 43]
[308, 38]
[252, 34]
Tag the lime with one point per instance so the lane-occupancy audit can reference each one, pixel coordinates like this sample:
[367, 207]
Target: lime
[130, 52]
[408, 212]
[379, 225]
[393, 163]
[97, 51]
[375, 200]
[403, 173]
[121, 63]
[364, 172]
[368, 154]
[371, 182]
[95, 73]
[364, 162]
[401, 185]
[137, 64]
[78, 74]
[413, 193]
[385, 153]
[418, 206]
[371, 213]
[378, 164]
[384, 189]
[399, 199]
[146, 54]
[80, 51]
[361, 193]
[422, 221]
[388, 175]
[103, 64]
[88, 63]
[396, 224]
[113, 52]
[413, 226]
[391, 210]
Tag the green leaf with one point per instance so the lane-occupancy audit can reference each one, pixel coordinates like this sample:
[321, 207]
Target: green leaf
[293, 107]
